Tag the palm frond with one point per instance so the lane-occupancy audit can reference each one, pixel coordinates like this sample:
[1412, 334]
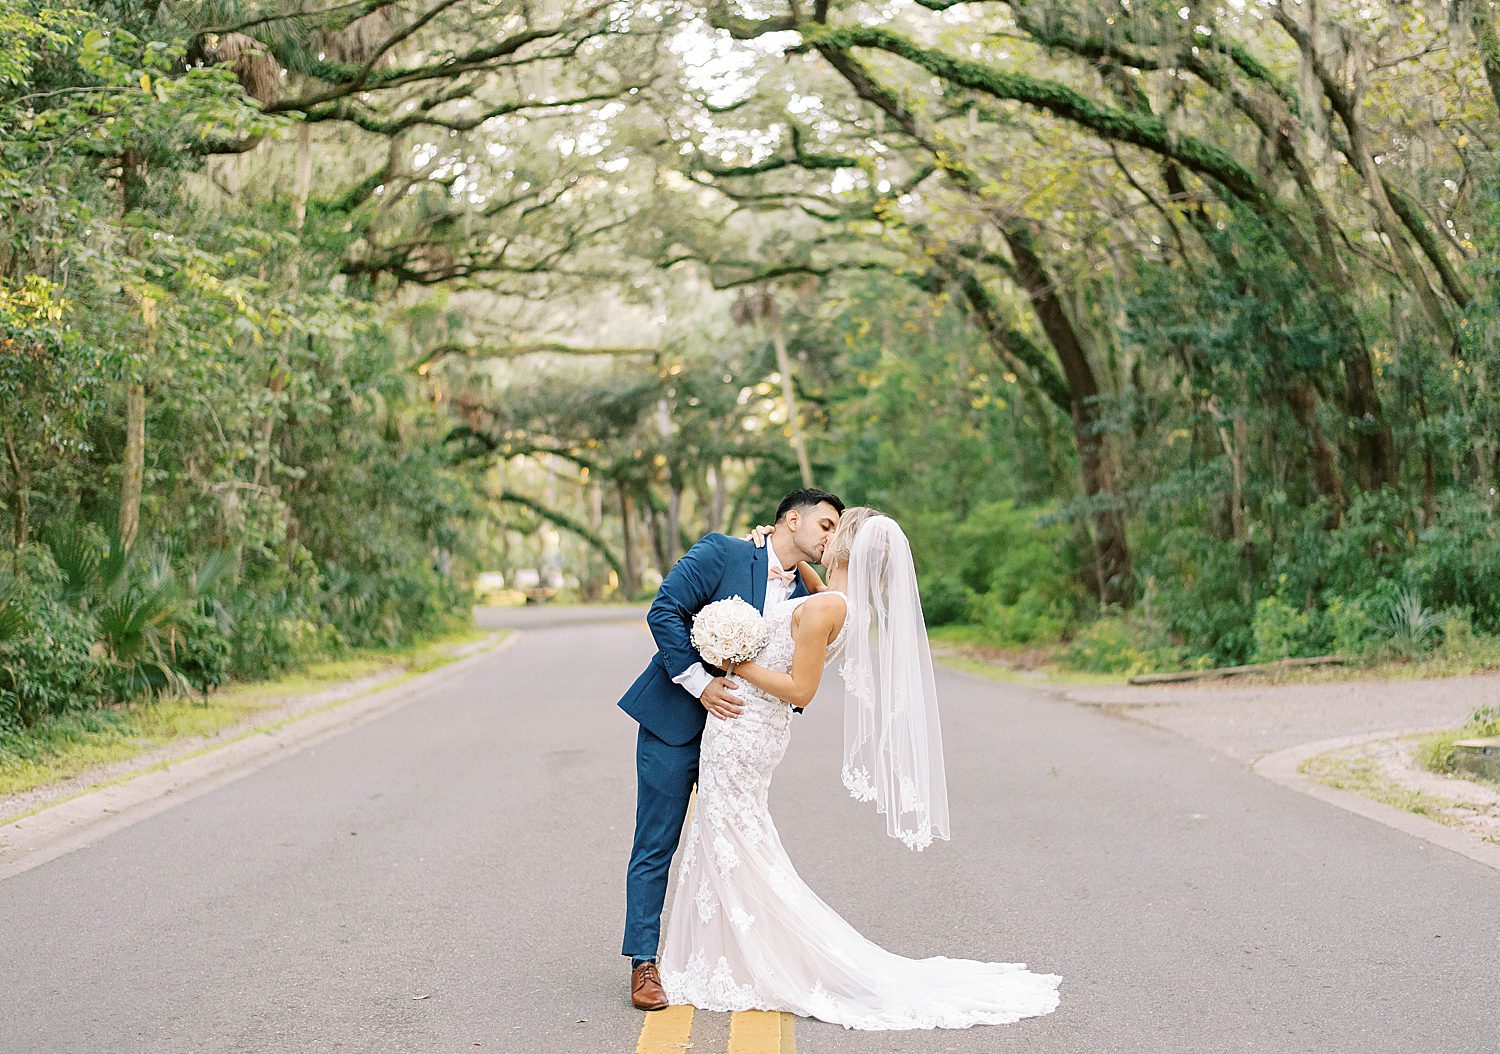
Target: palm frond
[13, 616]
[219, 566]
[78, 550]
[1413, 627]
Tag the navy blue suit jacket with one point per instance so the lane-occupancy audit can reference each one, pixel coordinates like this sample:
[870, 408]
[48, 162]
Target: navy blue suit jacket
[716, 568]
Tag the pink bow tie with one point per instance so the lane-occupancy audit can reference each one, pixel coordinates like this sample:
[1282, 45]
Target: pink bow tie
[784, 577]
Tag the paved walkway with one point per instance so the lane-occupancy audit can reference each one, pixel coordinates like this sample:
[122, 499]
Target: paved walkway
[1249, 721]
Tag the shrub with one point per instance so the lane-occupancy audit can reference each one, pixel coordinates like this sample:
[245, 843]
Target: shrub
[49, 664]
[944, 600]
[1457, 561]
[1115, 644]
[1281, 630]
[1006, 550]
[201, 651]
[1022, 573]
[1196, 589]
[276, 629]
[1371, 544]
[163, 632]
[1031, 619]
[1350, 625]
[1461, 646]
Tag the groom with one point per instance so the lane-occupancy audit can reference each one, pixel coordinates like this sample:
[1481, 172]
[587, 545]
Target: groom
[672, 698]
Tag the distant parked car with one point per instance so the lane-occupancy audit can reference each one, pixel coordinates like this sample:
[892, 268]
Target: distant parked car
[493, 590]
[529, 581]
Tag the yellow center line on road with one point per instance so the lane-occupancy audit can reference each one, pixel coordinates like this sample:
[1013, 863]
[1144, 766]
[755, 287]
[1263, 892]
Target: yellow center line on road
[670, 1031]
[762, 1032]
[666, 1031]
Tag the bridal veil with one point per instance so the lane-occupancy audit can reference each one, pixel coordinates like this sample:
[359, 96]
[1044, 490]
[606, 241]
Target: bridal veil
[893, 747]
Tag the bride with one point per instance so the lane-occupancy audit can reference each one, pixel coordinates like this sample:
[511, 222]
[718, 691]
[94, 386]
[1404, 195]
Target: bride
[745, 932]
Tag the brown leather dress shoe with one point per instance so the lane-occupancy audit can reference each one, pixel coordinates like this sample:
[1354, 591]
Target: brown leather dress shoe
[646, 992]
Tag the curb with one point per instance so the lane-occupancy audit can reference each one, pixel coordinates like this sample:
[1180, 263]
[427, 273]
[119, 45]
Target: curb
[93, 815]
[1282, 767]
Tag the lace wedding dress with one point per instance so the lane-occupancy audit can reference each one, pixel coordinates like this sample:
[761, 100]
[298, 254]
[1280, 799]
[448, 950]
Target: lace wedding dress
[746, 933]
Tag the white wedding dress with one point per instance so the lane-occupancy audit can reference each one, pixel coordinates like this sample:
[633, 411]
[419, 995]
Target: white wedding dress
[746, 933]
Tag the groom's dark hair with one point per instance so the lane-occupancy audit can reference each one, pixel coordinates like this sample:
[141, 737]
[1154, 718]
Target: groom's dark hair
[807, 498]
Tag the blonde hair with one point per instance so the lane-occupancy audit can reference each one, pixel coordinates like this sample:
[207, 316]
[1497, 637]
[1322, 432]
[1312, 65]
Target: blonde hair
[842, 542]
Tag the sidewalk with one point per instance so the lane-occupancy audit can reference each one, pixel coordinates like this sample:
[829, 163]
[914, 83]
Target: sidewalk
[1333, 739]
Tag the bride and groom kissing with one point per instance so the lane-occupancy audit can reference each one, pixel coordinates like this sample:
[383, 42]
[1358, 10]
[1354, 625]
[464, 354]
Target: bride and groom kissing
[745, 932]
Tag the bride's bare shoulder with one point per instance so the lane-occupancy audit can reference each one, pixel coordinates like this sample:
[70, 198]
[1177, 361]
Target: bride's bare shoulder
[828, 601]
[825, 611]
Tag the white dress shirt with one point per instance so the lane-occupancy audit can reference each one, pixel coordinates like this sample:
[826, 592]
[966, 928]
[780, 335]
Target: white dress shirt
[696, 677]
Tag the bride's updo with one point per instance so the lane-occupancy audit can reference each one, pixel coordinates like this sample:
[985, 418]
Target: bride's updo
[842, 542]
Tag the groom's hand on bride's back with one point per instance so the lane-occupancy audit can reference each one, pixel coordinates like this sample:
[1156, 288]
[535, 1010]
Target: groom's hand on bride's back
[719, 698]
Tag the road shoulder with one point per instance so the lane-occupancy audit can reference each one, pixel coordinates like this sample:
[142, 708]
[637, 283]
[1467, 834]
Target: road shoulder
[154, 786]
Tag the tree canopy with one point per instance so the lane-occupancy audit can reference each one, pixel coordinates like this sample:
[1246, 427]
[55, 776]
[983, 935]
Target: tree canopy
[1189, 308]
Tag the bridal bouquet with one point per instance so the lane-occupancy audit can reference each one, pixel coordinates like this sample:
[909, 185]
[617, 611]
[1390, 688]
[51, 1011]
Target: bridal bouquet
[728, 632]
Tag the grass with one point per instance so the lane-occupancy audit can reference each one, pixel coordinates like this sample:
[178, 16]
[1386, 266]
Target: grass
[72, 744]
[1392, 668]
[964, 648]
[968, 647]
[1436, 752]
[1364, 776]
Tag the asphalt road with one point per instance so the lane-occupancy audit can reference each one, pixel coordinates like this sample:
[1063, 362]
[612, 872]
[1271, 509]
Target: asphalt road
[449, 877]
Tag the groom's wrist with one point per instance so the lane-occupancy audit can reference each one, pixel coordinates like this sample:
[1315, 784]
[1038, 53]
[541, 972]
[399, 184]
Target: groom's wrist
[694, 679]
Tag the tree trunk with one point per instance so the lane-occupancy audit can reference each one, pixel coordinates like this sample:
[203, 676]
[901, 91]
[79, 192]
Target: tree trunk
[135, 436]
[1377, 452]
[1046, 434]
[656, 529]
[303, 175]
[135, 462]
[301, 188]
[630, 580]
[589, 534]
[672, 542]
[1487, 38]
[1396, 234]
[274, 383]
[1233, 440]
[1303, 400]
[720, 503]
[20, 499]
[1373, 440]
[674, 528]
[1373, 445]
[1111, 548]
[793, 421]
[737, 509]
